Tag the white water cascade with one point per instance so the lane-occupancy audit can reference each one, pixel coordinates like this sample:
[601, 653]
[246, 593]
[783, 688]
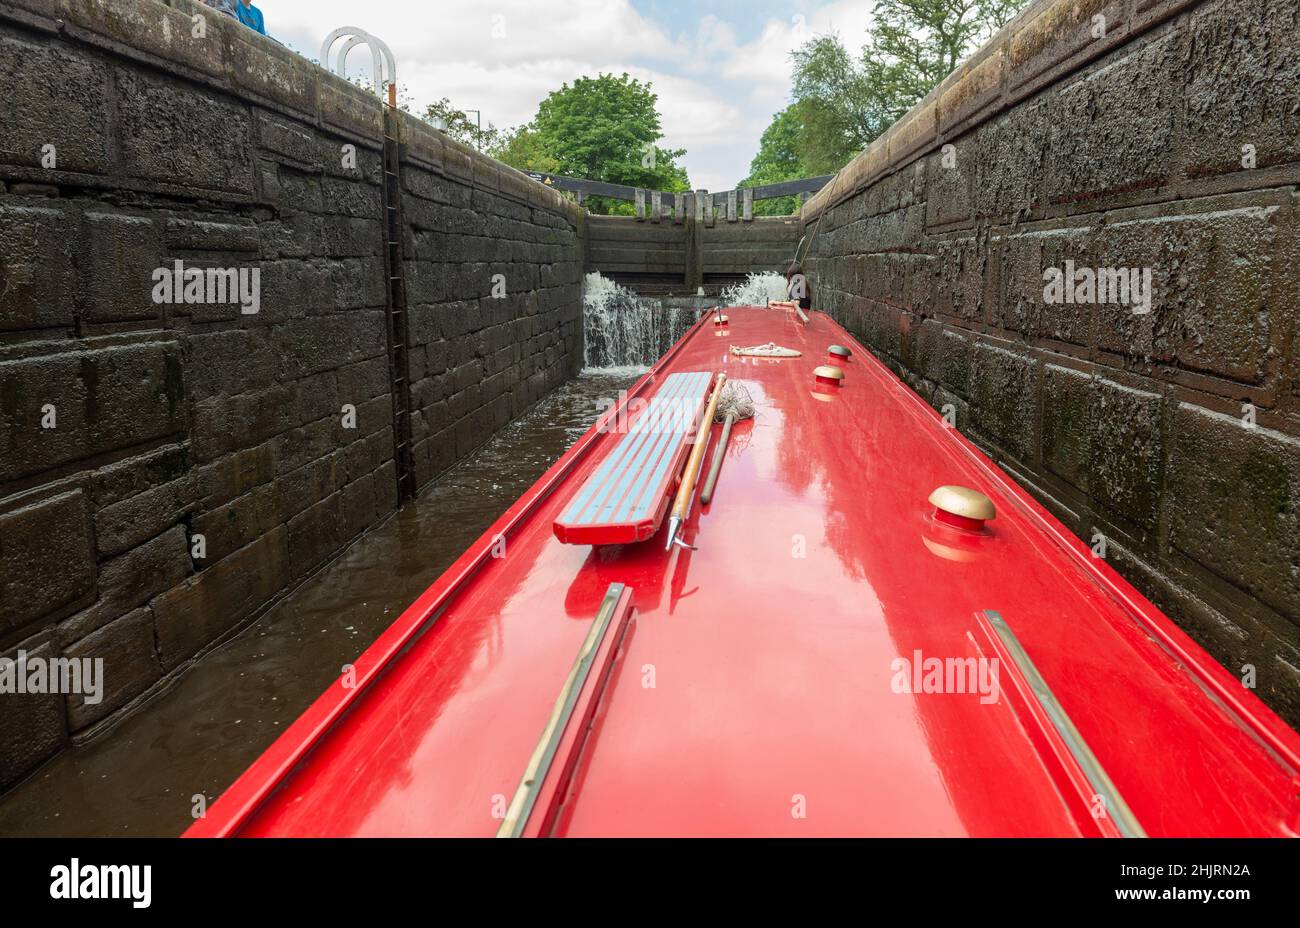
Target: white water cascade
[624, 330]
[755, 291]
[628, 332]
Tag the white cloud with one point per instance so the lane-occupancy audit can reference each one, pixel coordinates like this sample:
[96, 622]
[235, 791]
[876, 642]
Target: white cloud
[716, 93]
[500, 32]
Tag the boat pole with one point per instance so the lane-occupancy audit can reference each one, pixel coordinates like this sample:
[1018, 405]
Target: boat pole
[735, 404]
[711, 481]
[682, 504]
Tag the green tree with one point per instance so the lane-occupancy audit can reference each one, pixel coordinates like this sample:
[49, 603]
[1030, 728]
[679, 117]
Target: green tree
[607, 128]
[917, 43]
[844, 102]
[777, 160]
[603, 128]
[839, 102]
[457, 124]
[522, 148]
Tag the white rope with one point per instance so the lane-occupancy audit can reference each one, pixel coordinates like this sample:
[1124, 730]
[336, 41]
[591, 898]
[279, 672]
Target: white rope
[770, 350]
[735, 402]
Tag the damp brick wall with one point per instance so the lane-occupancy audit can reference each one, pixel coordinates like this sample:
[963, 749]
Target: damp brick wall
[174, 421]
[1168, 139]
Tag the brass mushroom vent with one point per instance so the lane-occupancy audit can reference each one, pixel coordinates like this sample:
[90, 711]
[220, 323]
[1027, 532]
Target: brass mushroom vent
[962, 507]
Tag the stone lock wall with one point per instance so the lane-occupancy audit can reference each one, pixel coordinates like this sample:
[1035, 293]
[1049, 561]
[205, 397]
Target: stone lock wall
[127, 143]
[494, 265]
[1167, 139]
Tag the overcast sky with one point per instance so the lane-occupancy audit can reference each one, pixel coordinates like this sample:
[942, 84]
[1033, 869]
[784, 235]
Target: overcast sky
[721, 69]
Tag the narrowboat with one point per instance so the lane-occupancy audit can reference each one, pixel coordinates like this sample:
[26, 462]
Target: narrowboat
[862, 628]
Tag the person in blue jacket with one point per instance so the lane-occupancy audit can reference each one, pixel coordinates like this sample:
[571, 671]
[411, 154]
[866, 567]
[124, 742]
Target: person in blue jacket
[250, 16]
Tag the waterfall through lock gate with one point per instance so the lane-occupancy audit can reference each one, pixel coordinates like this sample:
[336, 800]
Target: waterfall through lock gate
[755, 291]
[626, 331]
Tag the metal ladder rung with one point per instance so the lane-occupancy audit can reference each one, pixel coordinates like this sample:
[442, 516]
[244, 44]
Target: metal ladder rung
[398, 369]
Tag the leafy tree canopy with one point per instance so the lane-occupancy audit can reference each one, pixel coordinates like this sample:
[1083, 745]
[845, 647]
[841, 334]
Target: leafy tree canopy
[597, 128]
[607, 128]
[842, 102]
[523, 148]
[777, 160]
[461, 127]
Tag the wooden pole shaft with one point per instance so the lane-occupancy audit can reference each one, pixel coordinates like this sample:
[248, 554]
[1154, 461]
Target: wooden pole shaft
[692, 472]
[715, 466]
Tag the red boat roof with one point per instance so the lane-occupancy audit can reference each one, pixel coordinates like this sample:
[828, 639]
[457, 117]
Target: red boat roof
[773, 682]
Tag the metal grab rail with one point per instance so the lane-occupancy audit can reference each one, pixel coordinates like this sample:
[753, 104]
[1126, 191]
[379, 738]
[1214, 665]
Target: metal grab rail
[613, 613]
[384, 66]
[1044, 703]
